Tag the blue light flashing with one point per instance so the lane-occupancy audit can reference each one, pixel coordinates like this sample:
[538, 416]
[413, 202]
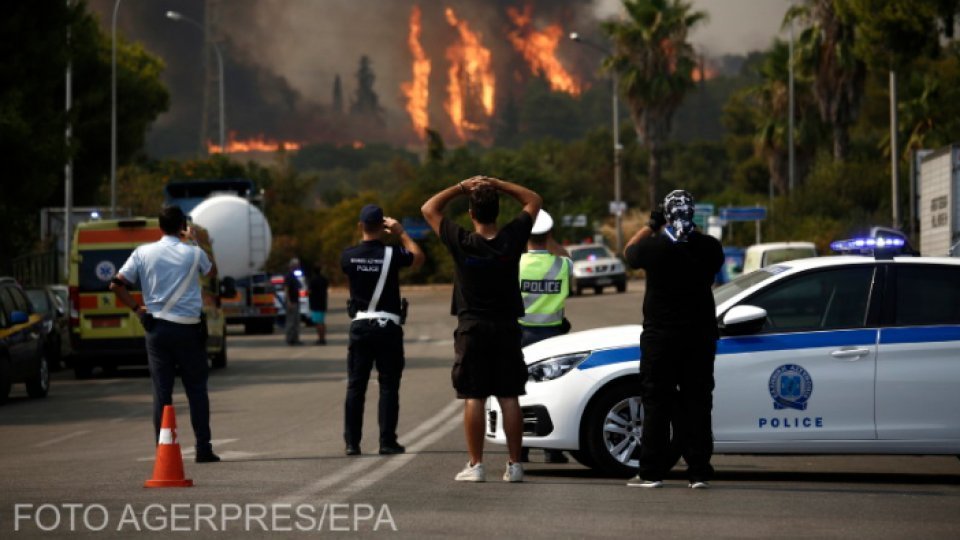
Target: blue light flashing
[867, 245]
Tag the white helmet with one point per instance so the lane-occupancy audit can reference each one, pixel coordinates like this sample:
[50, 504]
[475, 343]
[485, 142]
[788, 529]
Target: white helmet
[543, 224]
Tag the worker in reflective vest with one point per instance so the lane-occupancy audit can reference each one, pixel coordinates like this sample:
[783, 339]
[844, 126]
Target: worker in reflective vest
[545, 271]
[544, 283]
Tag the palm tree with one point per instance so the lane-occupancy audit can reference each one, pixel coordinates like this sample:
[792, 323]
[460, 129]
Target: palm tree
[826, 50]
[655, 63]
[770, 102]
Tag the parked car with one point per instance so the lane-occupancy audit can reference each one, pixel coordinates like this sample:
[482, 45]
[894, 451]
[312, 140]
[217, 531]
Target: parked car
[760, 255]
[847, 354]
[56, 324]
[22, 355]
[594, 265]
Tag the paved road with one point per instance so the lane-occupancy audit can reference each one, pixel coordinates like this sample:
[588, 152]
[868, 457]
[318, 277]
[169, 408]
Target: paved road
[277, 420]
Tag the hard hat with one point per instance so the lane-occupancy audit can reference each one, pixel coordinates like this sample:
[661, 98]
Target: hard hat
[543, 224]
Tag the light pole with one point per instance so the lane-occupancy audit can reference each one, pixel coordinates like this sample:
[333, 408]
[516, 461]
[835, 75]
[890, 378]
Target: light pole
[176, 16]
[617, 147]
[113, 110]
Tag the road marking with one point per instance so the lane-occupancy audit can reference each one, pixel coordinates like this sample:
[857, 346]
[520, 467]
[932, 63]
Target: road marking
[191, 450]
[62, 438]
[447, 414]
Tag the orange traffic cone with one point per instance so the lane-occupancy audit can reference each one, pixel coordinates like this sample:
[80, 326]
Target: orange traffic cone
[168, 468]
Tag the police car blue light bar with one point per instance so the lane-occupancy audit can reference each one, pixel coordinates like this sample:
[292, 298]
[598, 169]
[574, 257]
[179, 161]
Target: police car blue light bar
[867, 244]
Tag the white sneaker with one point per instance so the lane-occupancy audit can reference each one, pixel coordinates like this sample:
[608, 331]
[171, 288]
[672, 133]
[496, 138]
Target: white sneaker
[700, 485]
[472, 473]
[636, 481]
[514, 472]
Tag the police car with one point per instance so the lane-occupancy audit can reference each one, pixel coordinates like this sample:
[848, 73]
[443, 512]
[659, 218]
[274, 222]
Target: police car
[847, 354]
[595, 266]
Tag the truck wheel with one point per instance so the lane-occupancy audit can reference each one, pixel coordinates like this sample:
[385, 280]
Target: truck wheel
[4, 379]
[38, 383]
[219, 359]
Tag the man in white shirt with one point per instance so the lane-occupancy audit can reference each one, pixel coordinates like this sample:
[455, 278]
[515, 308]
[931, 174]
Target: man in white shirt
[167, 271]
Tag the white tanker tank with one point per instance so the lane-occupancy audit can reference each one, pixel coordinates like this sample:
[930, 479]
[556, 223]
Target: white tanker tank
[240, 233]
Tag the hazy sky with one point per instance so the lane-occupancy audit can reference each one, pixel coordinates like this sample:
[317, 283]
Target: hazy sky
[734, 26]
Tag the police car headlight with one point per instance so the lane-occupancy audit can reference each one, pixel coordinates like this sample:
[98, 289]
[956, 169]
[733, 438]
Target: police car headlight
[554, 367]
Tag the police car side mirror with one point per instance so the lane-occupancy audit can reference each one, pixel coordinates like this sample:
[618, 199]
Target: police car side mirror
[18, 317]
[228, 287]
[742, 320]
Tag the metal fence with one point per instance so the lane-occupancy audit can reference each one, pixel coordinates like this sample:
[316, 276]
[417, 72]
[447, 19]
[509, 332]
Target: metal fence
[37, 268]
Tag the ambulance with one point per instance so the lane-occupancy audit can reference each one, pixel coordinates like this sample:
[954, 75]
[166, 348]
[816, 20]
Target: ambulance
[103, 331]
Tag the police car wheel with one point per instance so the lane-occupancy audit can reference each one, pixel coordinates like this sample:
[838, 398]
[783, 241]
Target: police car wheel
[583, 458]
[612, 427]
[38, 384]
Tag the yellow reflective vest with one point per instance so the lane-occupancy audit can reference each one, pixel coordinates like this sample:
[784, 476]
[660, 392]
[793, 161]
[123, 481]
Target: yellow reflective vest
[544, 286]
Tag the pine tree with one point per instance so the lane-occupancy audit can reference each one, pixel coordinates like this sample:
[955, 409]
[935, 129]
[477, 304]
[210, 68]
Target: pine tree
[337, 96]
[367, 103]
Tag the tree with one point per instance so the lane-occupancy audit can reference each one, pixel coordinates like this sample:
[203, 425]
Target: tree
[337, 96]
[826, 50]
[367, 103]
[655, 62]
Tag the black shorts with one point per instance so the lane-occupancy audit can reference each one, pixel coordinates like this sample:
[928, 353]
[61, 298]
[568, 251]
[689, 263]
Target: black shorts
[489, 361]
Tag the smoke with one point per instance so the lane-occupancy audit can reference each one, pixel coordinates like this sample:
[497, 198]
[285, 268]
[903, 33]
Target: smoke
[281, 58]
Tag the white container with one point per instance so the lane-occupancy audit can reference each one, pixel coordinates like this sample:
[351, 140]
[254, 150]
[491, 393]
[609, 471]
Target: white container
[239, 231]
[939, 205]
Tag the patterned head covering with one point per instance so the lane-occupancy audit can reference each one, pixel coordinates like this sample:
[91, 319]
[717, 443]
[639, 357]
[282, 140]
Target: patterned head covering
[678, 209]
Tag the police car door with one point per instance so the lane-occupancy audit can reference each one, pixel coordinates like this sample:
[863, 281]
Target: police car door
[809, 373]
[918, 368]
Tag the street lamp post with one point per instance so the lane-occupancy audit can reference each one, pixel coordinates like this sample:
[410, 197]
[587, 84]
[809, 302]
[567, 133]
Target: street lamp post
[617, 147]
[177, 16]
[113, 110]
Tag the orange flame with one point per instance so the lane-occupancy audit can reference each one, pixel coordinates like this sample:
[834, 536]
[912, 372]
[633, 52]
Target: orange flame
[255, 144]
[703, 73]
[417, 91]
[539, 47]
[472, 82]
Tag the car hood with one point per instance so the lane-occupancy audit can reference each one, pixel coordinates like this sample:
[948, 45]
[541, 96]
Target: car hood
[587, 340]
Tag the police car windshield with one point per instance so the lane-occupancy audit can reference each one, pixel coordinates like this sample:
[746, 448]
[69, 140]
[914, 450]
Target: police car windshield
[732, 288]
[590, 253]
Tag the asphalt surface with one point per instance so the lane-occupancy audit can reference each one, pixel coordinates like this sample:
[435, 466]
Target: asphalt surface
[73, 464]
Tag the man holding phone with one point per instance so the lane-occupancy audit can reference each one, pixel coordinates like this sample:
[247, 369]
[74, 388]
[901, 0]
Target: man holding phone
[376, 337]
[168, 271]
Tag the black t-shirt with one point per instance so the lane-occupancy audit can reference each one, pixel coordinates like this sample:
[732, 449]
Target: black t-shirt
[362, 265]
[487, 271]
[292, 286]
[318, 292]
[679, 280]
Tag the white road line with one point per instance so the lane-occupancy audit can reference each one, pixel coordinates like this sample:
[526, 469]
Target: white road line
[189, 450]
[357, 468]
[62, 438]
[394, 463]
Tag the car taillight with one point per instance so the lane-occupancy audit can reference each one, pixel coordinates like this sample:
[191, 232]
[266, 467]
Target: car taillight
[303, 294]
[74, 307]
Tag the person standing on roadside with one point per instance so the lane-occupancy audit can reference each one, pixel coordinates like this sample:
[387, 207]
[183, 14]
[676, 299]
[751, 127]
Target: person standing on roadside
[168, 272]
[376, 337]
[318, 302]
[487, 303]
[545, 274]
[679, 341]
[291, 287]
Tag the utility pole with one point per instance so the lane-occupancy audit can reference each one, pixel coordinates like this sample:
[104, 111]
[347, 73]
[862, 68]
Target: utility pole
[68, 166]
[894, 176]
[212, 76]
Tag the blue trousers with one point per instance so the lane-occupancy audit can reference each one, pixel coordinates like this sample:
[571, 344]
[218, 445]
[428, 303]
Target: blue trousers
[171, 346]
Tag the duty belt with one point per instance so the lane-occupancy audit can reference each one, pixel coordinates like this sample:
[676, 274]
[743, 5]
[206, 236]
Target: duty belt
[384, 315]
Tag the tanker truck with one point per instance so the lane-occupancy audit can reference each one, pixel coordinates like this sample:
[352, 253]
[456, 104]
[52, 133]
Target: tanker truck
[241, 243]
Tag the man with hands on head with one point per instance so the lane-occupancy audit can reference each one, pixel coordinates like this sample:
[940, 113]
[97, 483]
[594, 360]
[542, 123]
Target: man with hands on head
[487, 303]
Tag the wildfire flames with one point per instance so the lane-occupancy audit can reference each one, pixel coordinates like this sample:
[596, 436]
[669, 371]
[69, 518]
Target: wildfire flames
[472, 84]
[417, 91]
[256, 144]
[538, 48]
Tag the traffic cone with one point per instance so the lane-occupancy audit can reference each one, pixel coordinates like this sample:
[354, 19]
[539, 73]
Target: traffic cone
[168, 468]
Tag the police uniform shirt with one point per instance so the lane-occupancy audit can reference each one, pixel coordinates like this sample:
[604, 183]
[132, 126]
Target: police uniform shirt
[160, 268]
[679, 280]
[361, 263]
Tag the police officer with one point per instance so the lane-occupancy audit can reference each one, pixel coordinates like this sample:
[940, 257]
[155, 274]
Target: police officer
[376, 337]
[544, 284]
[167, 272]
[545, 274]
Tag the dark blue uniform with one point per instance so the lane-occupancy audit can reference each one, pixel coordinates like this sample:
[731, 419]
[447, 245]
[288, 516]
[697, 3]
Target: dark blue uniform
[374, 341]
